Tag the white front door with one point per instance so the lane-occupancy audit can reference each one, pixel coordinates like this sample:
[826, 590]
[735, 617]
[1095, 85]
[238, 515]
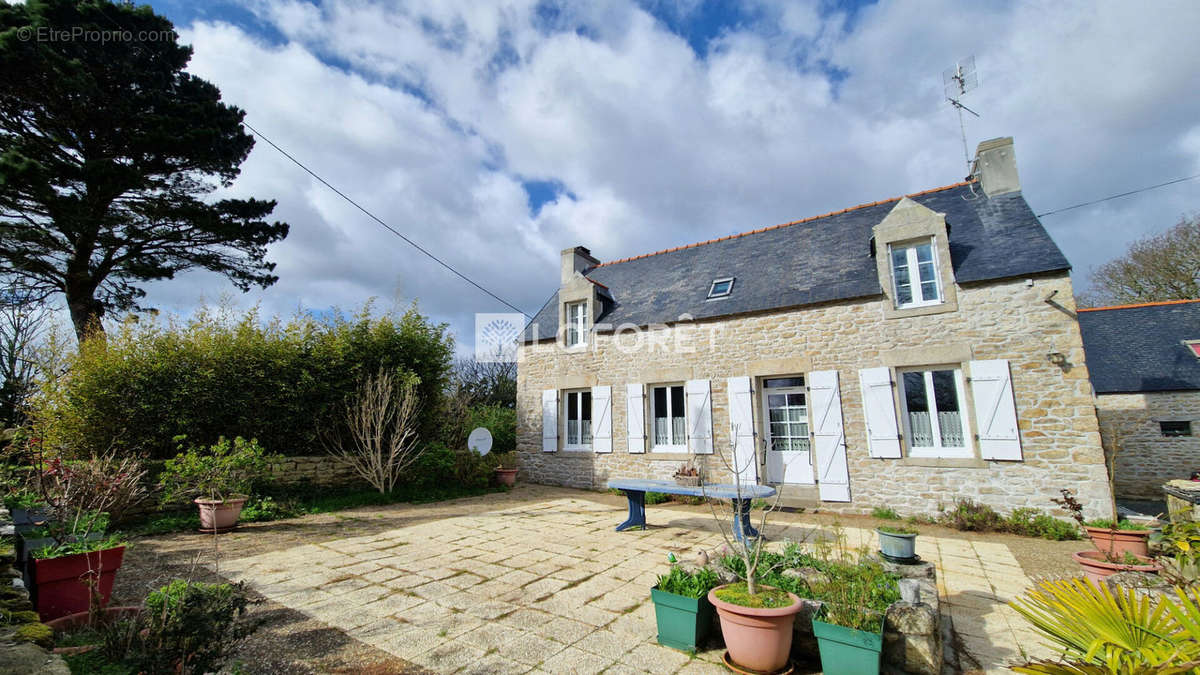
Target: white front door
[785, 422]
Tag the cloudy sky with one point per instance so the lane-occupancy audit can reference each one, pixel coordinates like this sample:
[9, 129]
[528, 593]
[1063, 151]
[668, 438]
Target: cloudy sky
[497, 135]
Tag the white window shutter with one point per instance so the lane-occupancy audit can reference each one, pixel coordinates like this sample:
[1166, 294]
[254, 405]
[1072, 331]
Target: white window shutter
[995, 410]
[741, 428]
[699, 416]
[833, 474]
[602, 419]
[549, 420]
[635, 416]
[879, 409]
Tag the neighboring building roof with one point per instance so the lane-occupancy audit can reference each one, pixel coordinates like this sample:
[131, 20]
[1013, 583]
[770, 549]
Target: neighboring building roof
[1138, 348]
[818, 259]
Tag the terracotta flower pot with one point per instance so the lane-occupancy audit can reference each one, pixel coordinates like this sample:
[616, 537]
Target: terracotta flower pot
[218, 515]
[62, 583]
[506, 476]
[70, 622]
[758, 639]
[1136, 542]
[1096, 568]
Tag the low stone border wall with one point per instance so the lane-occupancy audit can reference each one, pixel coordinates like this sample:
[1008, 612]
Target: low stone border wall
[25, 641]
[912, 627]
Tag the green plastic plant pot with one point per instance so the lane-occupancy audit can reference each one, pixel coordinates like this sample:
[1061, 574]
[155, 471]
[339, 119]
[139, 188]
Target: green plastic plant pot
[683, 623]
[846, 651]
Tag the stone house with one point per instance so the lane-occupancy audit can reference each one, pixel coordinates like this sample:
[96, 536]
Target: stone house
[903, 353]
[1144, 362]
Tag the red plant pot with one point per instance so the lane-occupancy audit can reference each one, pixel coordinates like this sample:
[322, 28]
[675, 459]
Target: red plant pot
[758, 639]
[506, 476]
[1096, 568]
[1136, 542]
[218, 515]
[62, 583]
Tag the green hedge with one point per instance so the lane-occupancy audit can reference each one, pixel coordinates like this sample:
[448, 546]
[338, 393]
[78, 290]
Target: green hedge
[219, 374]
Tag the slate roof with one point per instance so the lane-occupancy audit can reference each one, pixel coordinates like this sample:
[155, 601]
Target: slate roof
[814, 260]
[1137, 348]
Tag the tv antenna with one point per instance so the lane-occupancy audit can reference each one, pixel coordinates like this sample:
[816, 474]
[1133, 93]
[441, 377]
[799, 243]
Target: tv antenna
[958, 81]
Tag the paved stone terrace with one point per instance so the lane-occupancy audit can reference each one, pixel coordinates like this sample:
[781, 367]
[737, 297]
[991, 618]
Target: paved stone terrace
[544, 585]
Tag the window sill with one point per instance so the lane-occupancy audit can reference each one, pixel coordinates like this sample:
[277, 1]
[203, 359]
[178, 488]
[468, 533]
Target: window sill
[891, 311]
[945, 462]
[587, 449]
[668, 456]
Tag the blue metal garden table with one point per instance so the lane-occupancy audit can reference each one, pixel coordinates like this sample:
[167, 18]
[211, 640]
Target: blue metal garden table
[741, 497]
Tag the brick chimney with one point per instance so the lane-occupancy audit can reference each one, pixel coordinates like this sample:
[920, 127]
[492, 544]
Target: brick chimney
[576, 259]
[996, 167]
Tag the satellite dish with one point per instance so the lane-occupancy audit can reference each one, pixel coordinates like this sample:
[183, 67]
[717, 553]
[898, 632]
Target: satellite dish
[480, 441]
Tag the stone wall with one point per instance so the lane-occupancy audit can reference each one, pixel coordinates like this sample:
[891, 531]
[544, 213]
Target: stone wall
[997, 320]
[1146, 459]
[25, 642]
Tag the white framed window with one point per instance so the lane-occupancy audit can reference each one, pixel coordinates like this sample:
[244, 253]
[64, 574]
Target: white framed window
[576, 324]
[668, 414]
[720, 288]
[577, 419]
[914, 274]
[933, 406]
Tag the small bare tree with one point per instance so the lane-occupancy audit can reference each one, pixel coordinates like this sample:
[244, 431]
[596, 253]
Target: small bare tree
[750, 545]
[380, 440]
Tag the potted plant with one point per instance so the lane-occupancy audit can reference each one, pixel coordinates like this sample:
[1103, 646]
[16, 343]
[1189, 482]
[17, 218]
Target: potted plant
[1107, 559]
[681, 607]
[218, 478]
[506, 469]
[756, 620]
[687, 475]
[849, 637]
[73, 571]
[1125, 536]
[897, 542]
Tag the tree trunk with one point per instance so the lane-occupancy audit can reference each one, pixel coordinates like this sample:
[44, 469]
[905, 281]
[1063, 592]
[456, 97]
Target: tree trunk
[86, 312]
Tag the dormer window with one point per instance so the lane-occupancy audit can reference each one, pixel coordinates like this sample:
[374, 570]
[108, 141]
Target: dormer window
[720, 288]
[914, 274]
[576, 323]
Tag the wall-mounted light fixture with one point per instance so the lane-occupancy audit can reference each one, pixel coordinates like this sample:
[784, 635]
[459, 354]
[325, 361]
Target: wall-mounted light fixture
[1057, 358]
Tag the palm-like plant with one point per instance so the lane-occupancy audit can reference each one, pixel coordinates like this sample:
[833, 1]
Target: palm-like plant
[1101, 631]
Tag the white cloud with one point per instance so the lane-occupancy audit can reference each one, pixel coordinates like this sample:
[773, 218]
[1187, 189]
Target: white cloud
[431, 114]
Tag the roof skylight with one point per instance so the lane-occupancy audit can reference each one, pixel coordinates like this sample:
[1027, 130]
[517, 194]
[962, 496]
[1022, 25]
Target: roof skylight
[720, 288]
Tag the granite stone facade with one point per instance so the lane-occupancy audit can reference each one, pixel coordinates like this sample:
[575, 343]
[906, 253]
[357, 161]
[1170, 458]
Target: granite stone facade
[1146, 459]
[1003, 319]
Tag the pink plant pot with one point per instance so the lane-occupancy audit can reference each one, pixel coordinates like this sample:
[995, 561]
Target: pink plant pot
[219, 515]
[758, 639]
[506, 477]
[70, 622]
[1136, 542]
[1096, 568]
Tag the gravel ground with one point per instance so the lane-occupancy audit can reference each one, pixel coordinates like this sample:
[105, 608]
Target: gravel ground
[288, 641]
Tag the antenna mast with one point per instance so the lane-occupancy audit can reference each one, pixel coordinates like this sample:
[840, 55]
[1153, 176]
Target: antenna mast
[958, 81]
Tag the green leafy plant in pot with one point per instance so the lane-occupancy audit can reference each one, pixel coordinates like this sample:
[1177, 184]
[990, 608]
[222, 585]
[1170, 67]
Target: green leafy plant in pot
[74, 566]
[218, 478]
[849, 634]
[897, 542]
[681, 607]
[756, 620]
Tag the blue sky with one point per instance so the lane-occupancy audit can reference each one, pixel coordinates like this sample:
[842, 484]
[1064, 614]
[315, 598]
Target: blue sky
[497, 134]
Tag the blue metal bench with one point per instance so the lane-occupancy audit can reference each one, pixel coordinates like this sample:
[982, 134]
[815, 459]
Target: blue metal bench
[635, 491]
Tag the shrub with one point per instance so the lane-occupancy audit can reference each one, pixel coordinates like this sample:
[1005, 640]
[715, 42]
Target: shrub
[501, 422]
[438, 464]
[220, 374]
[971, 516]
[194, 624]
[1034, 523]
[884, 513]
[379, 436]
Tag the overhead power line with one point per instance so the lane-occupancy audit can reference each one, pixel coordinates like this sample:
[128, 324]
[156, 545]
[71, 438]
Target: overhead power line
[1123, 194]
[389, 228]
